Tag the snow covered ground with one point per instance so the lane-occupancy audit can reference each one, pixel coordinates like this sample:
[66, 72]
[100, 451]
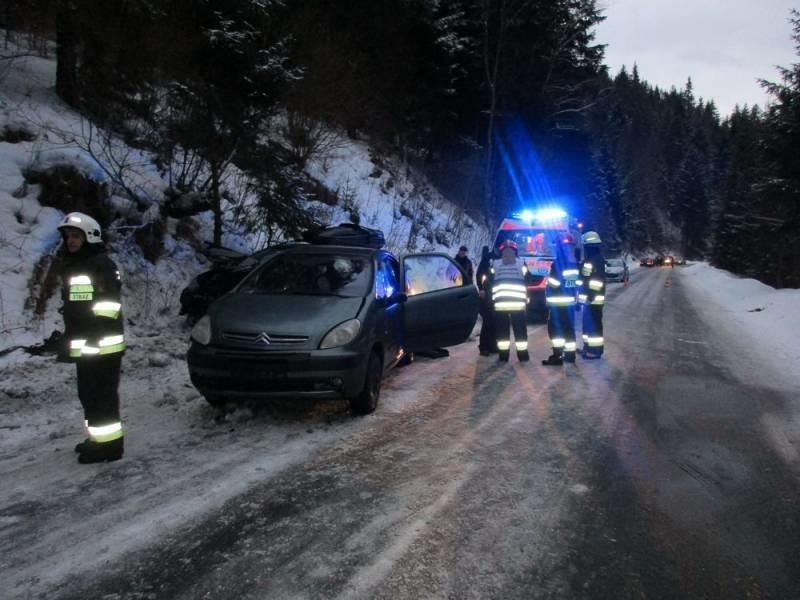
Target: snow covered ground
[759, 316]
[185, 459]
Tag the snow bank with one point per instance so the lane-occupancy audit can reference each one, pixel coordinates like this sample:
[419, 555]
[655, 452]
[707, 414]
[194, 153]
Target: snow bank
[758, 313]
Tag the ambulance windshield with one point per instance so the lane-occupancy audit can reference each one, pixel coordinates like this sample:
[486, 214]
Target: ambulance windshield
[531, 242]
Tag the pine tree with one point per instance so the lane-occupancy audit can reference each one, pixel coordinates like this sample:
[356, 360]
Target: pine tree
[781, 190]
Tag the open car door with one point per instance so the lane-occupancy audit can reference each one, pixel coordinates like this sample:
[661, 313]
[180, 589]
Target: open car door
[441, 307]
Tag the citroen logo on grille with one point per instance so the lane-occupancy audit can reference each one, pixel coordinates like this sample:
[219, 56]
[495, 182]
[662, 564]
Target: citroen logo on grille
[263, 338]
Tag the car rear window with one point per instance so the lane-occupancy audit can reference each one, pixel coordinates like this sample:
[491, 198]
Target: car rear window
[317, 274]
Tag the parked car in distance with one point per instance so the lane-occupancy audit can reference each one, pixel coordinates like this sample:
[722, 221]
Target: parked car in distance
[209, 285]
[668, 261]
[328, 321]
[617, 270]
[649, 262]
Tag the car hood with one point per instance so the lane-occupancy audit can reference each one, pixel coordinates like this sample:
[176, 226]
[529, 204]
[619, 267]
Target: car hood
[290, 321]
[614, 269]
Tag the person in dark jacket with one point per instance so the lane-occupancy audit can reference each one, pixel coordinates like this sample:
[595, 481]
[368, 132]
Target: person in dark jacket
[562, 286]
[93, 332]
[464, 262]
[592, 294]
[487, 343]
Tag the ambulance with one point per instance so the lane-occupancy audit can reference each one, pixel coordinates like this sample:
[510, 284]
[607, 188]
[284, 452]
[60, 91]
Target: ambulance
[536, 234]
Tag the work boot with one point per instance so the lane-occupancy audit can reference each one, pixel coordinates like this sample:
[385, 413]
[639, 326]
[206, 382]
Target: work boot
[569, 357]
[523, 356]
[591, 353]
[81, 446]
[502, 356]
[554, 360]
[101, 452]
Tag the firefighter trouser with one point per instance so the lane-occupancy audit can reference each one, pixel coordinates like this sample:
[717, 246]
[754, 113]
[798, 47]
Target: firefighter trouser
[98, 380]
[504, 321]
[593, 328]
[561, 329]
[487, 342]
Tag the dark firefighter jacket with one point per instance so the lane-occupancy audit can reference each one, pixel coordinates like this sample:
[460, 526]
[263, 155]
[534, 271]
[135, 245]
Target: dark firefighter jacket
[593, 280]
[483, 274]
[562, 285]
[92, 308]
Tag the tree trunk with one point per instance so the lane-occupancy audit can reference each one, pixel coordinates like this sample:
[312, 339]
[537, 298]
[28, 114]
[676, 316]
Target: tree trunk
[66, 53]
[216, 204]
[491, 64]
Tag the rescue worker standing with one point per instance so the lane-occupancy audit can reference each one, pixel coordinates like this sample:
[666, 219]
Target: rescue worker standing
[487, 343]
[93, 331]
[592, 295]
[510, 299]
[562, 286]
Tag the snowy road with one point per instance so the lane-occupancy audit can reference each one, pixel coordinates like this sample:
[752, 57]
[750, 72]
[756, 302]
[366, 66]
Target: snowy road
[668, 469]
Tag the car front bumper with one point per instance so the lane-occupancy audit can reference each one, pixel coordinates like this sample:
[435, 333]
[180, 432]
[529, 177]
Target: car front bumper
[332, 373]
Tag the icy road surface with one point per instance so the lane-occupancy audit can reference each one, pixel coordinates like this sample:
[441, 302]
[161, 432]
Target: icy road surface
[668, 469]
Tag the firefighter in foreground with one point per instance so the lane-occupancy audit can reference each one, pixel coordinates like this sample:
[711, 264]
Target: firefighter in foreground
[560, 294]
[510, 299]
[94, 335]
[592, 295]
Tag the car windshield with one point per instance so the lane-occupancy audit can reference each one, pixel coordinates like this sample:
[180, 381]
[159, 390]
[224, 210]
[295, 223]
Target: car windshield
[316, 274]
[615, 262]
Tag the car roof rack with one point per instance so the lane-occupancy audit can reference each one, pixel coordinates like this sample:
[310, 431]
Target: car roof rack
[346, 234]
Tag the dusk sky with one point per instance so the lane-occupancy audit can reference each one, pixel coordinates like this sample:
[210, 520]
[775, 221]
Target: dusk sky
[725, 46]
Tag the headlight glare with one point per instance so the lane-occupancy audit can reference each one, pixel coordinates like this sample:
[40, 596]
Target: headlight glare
[342, 334]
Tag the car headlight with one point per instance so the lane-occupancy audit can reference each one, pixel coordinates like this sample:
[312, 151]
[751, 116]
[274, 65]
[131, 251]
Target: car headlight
[201, 332]
[342, 334]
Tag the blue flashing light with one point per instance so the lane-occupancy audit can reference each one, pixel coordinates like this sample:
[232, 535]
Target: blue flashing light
[542, 215]
[550, 214]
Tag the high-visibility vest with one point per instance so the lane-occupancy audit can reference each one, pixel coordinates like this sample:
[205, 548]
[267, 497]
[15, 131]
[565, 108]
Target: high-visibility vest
[509, 292]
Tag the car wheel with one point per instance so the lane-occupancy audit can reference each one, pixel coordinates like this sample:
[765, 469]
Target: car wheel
[367, 400]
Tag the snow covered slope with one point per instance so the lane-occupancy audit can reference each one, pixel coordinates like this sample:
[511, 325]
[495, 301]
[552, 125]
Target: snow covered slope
[38, 131]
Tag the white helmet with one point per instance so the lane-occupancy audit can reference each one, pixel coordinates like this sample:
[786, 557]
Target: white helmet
[591, 237]
[85, 223]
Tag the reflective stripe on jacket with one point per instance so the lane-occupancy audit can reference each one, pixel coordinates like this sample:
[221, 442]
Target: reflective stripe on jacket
[593, 280]
[509, 292]
[92, 307]
[562, 286]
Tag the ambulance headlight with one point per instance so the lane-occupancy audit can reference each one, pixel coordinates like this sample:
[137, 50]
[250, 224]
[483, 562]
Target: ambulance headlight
[201, 332]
